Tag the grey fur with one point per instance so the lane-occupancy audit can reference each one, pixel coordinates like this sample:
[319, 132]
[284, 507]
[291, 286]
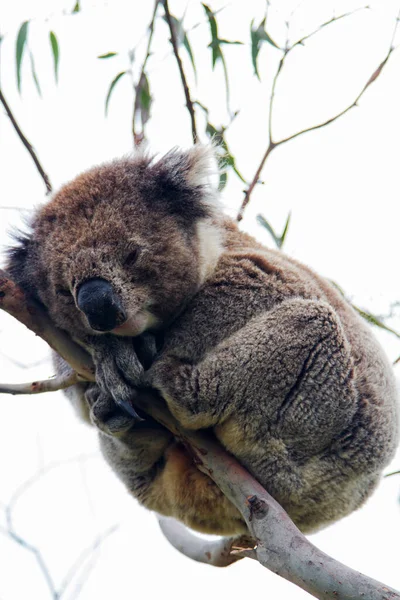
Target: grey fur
[256, 346]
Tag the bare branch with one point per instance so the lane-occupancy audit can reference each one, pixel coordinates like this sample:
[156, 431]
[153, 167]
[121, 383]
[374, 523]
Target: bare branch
[9, 531]
[174, 42]
[272, 144]
[326, 24]
[218, 553]
[38, 557]
[38, 387]
[281, 547]
[84, 556]
[26, 143]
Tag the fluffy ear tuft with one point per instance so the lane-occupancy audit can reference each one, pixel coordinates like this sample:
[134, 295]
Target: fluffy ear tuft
[18, 259]
[184, 179]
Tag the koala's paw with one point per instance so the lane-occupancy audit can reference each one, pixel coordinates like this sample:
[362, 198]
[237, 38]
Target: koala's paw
[119, 372]
[105, 414]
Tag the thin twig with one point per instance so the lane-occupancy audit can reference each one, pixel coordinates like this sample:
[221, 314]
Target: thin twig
[34, 479]
[38, 387]
[10, 532]
[26, 143]
[174, 42]
[38, 556]
[138, 137]
[272, 144]
[82, 558]
[301, 41]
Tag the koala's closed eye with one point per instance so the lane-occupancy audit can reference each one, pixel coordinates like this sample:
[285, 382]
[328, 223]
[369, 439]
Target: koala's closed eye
[132, 257]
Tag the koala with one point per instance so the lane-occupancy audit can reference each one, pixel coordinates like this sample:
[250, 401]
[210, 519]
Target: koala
[137, 262]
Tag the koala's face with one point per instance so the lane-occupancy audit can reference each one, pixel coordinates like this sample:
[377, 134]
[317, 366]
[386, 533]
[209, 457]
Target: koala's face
[117, 250]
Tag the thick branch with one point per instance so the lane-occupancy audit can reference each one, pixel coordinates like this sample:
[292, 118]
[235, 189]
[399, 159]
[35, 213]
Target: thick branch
[32, 315]
[281, 547]
[174, 42]
[272, 144]
[218, 553]
[26, 143]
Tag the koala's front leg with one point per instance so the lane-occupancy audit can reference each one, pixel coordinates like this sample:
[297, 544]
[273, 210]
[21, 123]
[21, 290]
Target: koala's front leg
[290, 367]
[119, 372]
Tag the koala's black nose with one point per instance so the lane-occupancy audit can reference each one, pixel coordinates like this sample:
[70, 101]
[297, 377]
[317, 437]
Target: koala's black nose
[101, 305]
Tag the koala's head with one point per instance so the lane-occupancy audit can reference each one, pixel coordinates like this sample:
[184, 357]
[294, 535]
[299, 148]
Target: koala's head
[124, 246]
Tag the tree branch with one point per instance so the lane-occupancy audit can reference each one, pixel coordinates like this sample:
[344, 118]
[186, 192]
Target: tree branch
[26, 143]
[272, 144]
[280, 546]
[32, 315]
[38, 387]
[174, 42]
[218, 553]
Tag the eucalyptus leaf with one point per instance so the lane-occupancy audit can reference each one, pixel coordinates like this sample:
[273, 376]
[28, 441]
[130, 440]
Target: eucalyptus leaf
[144, 98]
[20, 47]
[234, 43]
[178, 28]
[34, 74]
[56, 53]
[188, 48]
[285, 230]
[77, 7]
[226, 158]
[278, 239]
[223, 178]
[108, 55]
[261, 220]
[212, 22]
[374, 320]
[111, 88]
[258, 35]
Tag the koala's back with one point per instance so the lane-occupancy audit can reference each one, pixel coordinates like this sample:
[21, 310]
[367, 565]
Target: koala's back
[314, 404]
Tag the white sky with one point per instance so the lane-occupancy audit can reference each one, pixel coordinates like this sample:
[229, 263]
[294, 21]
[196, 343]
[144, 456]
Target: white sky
[341, 184]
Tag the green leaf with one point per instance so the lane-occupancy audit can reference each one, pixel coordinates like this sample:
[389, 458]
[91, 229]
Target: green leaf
[111, 88]
[20, 46]
[34, 75]
[223, 178]
[258, 35]
[144, 98]
[235, 43]
[285, 230]
[264, 223]
[212, 22]
[178, 28]
[263, 35]
[108, 55]
[56, 53]
[188, 49]
[374, 320]
[278, 239]
[77, 7]
[226, 159]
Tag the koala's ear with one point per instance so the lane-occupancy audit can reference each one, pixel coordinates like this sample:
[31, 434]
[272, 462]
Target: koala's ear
[184, 181]
[20, 258]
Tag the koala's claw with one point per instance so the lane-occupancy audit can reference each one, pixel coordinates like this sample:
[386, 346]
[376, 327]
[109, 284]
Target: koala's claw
[106, 415]
[118, 372]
